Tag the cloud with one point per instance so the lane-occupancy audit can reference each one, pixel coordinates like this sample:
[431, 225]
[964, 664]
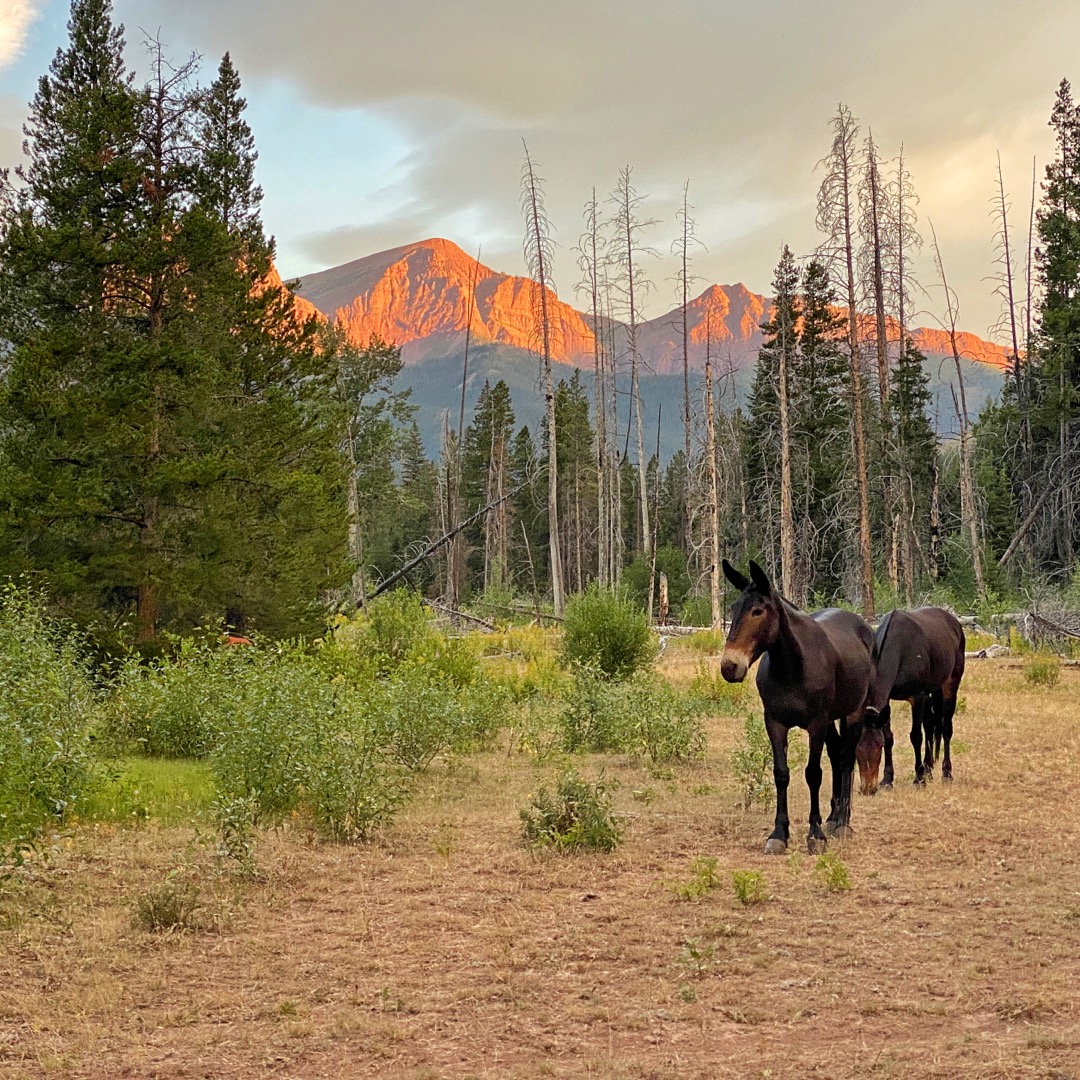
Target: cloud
[735, 97]
[16, 18]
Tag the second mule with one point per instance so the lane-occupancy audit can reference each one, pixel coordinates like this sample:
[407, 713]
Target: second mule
[815, 669]
[920, 660]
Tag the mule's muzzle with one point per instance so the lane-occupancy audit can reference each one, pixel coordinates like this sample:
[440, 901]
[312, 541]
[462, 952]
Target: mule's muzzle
[733, 667]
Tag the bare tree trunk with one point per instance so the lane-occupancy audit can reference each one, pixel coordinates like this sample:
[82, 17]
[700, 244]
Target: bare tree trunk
[968, 507]
[537, 253]
[712, 517]
[836, 217]
[626, 200]
[787, 512]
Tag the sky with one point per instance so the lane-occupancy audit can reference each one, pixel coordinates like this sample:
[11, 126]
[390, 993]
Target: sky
[379, 124]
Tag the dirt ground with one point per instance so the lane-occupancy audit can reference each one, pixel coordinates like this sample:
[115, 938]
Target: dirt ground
[446, 949]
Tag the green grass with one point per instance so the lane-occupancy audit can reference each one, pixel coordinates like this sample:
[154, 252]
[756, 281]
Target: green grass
[170, 791]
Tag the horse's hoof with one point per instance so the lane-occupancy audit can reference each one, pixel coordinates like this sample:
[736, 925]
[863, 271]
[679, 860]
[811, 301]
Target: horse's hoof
[816, 845]
[829, 827]
[885, 785]
[843, 832]
[947, 776]
[775, 846]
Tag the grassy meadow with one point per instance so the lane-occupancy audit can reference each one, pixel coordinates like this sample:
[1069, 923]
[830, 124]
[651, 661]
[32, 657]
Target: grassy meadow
[153, 933]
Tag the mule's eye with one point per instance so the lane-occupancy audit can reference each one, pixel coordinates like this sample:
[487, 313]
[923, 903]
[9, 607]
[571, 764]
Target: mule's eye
[757, 612]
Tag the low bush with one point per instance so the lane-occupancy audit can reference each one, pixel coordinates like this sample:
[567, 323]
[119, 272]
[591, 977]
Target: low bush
[753, 762]
[1041, 669]
[642, 715]
[47, 713]
[604, 630]
[832, 872]
[578, 814]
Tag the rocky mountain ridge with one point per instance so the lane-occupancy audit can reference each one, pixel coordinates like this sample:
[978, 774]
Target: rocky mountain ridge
[425, 297]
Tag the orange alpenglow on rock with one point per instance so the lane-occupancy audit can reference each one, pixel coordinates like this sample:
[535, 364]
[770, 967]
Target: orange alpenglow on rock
[418, 298]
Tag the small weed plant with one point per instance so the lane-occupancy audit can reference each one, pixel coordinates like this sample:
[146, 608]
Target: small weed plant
[576, 816]
[703, 878]
[750, 887]
[696, 957]
[171, 907]
[832, 872]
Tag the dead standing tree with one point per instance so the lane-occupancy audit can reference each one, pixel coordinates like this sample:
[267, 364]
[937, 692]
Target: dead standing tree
[590, 260]
[836, 218]
[539, 249]
[968, 507]
[629, 284]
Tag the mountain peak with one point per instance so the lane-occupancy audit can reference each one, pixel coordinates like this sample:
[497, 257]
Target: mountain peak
[425, 296]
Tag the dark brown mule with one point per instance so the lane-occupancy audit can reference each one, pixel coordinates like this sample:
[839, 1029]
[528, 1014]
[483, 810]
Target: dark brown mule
[921, 661]
[814, 669]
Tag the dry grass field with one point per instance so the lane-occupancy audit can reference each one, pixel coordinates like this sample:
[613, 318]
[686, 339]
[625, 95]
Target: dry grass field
[447, 949]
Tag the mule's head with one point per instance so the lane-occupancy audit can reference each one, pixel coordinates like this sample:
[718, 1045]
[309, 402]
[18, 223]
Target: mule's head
[869, 750]
[755, 621]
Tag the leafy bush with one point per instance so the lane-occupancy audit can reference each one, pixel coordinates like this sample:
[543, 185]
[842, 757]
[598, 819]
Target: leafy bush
[753, 762]
[173, 707]
[606, 631]
[47, 708]
[716, 694]
[578, 814]
[170, 906]
[351, 787]
[1042, 670]
[641, 715]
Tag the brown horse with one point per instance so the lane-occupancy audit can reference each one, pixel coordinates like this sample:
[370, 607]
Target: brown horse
[815, 669]
[921, 661]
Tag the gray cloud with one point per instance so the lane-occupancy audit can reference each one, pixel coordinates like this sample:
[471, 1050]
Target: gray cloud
[734, 96]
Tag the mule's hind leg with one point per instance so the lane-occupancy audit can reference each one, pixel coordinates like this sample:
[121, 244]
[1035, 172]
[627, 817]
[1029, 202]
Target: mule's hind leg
[815, 837]
[887, 778]
[919, 707]
[948, 708]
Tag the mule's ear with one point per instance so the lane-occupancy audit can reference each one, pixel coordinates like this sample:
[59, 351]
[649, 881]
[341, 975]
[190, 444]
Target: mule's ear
[757, 576]
[740, 581]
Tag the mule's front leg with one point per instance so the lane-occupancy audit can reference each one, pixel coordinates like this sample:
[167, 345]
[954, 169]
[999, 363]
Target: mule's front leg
[778, 737]
[815, 838]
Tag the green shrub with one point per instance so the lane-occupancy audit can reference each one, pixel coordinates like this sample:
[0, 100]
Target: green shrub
[749, 886]
[753, 762]
[351, 786]
[47, 709]
[606, 631]
[173, 707]
[710, 688]
[578, 814]
[395, 626]
[1042, 670]
[642, 715]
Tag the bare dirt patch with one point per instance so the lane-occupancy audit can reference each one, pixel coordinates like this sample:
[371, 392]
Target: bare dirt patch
[448, 950]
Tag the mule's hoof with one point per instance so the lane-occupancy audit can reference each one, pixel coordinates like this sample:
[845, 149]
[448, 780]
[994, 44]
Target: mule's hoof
[885, 785]
[843, 832]
[775, 846]
[816, 845]
[947, 776]
[829, 827]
